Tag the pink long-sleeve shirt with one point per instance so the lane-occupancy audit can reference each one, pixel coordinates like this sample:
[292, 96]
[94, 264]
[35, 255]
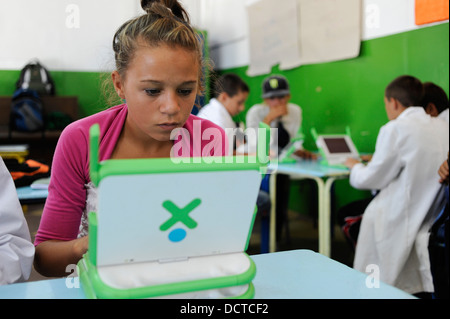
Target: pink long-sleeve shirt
[70, 169]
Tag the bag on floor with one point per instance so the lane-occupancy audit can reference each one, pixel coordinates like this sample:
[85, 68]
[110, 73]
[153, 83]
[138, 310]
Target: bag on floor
[27, 111]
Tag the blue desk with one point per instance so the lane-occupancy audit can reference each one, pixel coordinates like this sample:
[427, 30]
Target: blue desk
[297, 274]
[324, 176]
[28, 195]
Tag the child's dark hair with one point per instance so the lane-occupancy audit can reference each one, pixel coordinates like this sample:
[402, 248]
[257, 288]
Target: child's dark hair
[407, 89]
[231, 84]
[436, 95]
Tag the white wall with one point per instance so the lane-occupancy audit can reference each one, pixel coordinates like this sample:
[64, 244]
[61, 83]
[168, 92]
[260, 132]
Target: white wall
[76, 35]
[226, 23]
[73, 35]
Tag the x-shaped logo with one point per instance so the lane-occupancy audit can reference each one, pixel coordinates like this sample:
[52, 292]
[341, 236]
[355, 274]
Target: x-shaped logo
[180, 214]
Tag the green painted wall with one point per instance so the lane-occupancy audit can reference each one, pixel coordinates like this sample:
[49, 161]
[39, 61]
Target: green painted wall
[350, 92]
[332, 95]
[88, 86]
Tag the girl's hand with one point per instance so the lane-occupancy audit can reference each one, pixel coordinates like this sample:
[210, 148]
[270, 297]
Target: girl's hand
[80, 246]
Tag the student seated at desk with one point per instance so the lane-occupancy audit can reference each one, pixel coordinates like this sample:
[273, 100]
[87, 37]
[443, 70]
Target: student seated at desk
[409, 150]
[159, 74]
[435, 101]
[231, 93]
[16, 248]
[277, 112]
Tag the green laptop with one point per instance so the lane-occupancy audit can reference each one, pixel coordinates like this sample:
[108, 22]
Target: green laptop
[171, 229]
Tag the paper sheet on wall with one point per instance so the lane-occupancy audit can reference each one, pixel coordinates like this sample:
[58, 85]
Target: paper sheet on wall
[297, 32]
[329, 30]
[273, 35]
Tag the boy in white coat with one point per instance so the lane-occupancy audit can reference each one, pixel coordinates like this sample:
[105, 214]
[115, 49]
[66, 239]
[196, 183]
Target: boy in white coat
[230, 96]
[409, 150]
[16, 249]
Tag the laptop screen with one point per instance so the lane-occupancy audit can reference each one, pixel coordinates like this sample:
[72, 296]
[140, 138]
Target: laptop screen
[337, 145]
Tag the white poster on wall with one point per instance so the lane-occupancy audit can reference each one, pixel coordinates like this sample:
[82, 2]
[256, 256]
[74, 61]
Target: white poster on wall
[329, 30]
[273, 35]
[297, 32]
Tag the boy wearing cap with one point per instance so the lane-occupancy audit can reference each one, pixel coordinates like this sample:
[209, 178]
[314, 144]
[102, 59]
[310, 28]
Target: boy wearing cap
[277, 112]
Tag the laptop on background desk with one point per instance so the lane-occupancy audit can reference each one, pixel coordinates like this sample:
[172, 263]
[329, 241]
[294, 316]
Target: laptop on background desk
[335, 148]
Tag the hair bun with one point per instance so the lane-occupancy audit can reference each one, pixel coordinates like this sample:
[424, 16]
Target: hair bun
[173, 5]
[146, 4]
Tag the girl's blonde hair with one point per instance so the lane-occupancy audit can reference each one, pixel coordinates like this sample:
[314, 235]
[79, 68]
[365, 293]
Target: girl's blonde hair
[165, 23]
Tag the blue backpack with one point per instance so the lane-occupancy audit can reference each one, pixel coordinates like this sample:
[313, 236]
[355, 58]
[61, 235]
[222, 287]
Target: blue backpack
[27, 111]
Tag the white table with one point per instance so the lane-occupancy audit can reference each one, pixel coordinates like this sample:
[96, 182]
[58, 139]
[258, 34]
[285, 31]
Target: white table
[324, 176]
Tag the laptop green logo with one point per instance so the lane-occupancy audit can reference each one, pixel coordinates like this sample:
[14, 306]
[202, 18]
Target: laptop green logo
[179, 215]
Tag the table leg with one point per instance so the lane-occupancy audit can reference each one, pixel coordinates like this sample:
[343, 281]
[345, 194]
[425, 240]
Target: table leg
[273, 209]
[325, 218]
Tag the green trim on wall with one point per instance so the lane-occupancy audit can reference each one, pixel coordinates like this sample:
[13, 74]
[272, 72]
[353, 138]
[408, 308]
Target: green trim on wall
[88, 86]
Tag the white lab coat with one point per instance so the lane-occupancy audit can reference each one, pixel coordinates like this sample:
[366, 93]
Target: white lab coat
[16, 249]
[394, 228]
[444, 116]
[218, 114]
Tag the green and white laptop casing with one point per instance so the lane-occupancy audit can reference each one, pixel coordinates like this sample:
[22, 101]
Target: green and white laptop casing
[166, 229]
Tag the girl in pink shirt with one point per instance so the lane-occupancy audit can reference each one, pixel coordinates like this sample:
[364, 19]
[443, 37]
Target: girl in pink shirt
[159, 74]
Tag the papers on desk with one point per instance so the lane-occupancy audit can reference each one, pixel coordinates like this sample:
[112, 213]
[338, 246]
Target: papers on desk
[18, 152]
[13, 148]
[41, 183]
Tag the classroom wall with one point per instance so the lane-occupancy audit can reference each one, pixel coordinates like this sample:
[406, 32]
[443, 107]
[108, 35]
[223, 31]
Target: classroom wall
[338, 94]
[72, 38]
[350, 92]
[229, 38]
[332, 95]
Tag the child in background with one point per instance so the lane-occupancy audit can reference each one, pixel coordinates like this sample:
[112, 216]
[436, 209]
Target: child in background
[16, 248]
[409, 150]
[159, 74]
[231, 92]
[435, 101]
[277, 112]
